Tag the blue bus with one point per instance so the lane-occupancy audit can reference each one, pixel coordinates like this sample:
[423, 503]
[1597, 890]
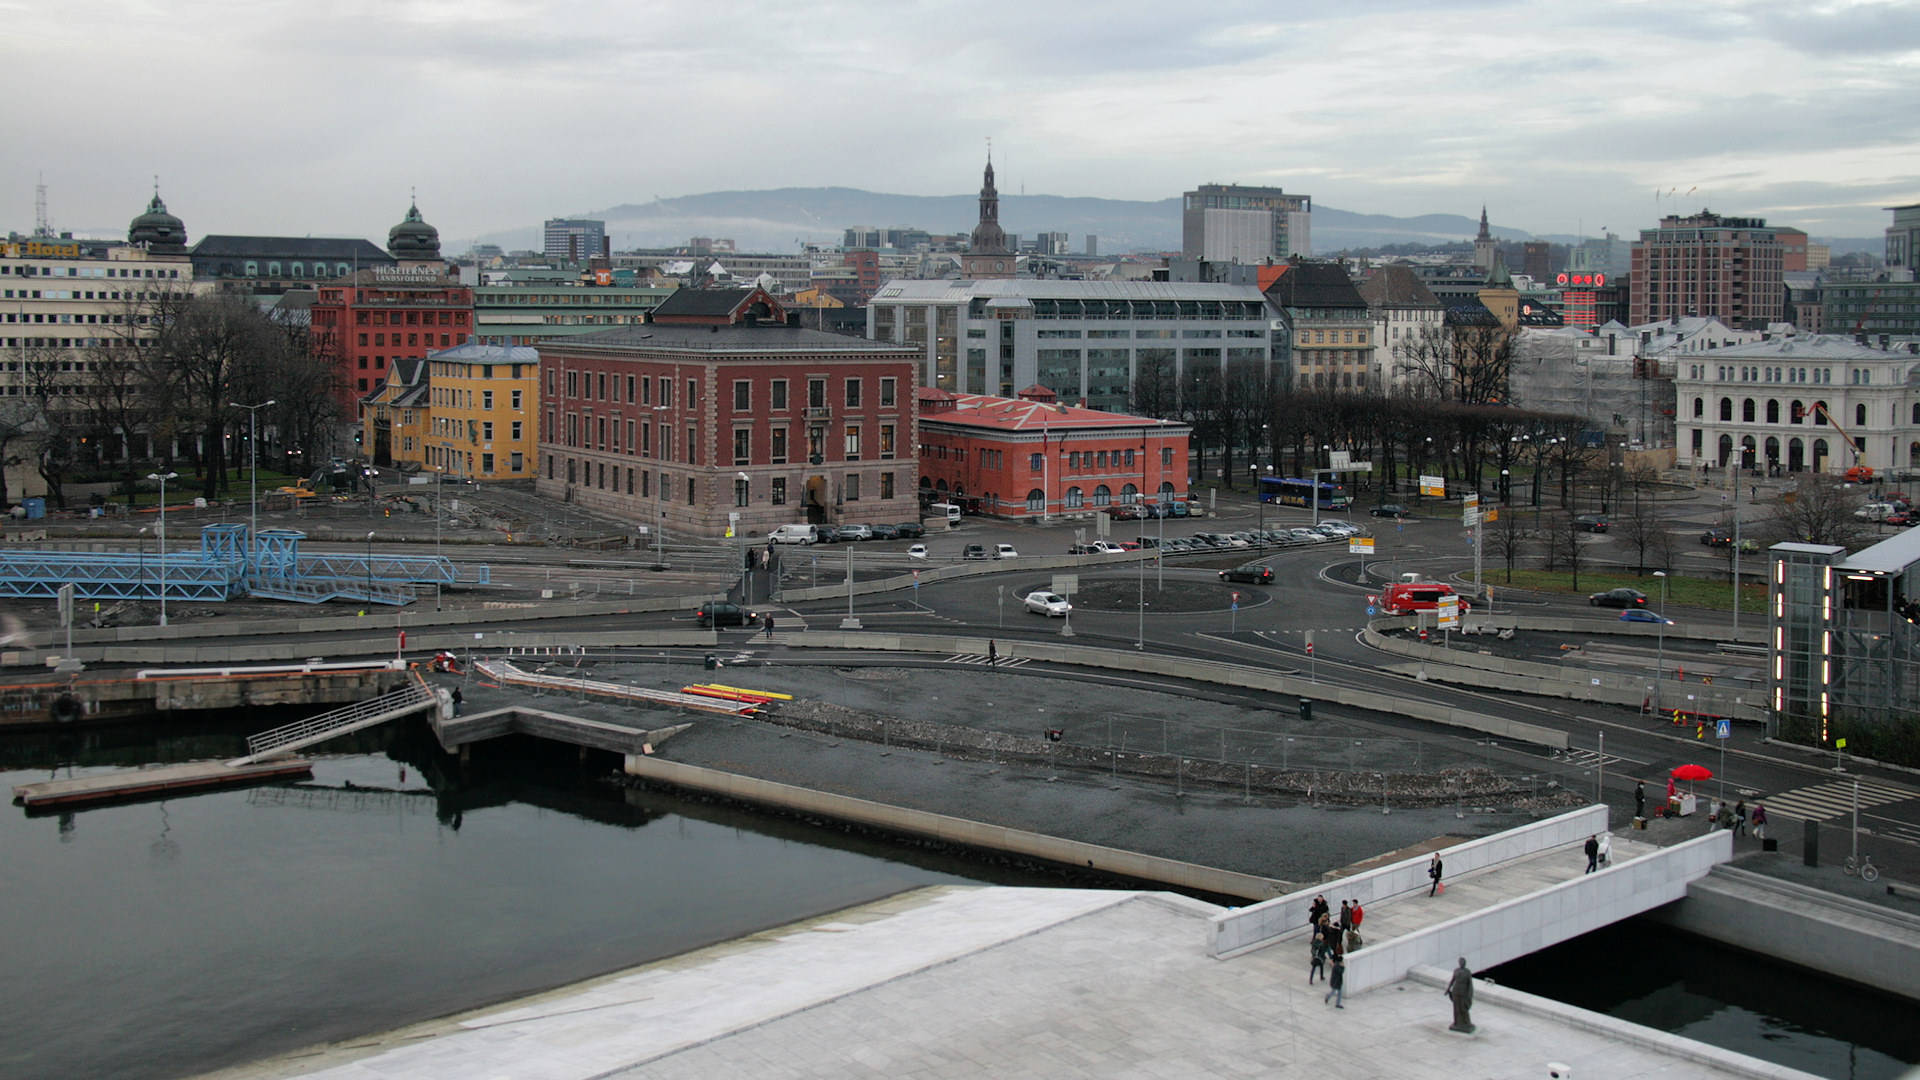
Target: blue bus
[1292, 491]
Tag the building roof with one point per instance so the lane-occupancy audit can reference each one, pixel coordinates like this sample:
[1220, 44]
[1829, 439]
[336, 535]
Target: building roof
[475, 353]
[1018, 415]
[337, 248]
[737, 338]
[1395, 285]
[1810, 347]
[950, 291]
[1894, 555]
[1315, 285]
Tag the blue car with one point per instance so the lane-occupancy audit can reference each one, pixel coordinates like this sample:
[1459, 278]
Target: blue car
[1643, 615]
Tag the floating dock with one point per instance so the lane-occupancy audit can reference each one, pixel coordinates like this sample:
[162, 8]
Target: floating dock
[192, 776]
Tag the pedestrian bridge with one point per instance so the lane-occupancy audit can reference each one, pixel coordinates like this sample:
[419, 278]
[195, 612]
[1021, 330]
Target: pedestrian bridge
[1507, 896]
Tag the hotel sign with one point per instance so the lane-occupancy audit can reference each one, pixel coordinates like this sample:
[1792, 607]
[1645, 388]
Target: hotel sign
[41, 249]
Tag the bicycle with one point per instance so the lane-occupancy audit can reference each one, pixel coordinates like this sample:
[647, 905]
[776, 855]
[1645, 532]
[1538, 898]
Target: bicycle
[1862, 866]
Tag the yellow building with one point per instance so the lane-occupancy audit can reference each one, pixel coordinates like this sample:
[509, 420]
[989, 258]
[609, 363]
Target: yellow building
[470, 411]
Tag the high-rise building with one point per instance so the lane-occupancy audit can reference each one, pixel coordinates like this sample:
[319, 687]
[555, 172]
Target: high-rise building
[1231, 223]
[574, 239]
[1903, 237]
[1719, 267]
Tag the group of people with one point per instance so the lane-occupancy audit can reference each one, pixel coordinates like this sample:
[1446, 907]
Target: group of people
[1736, 819]
[1333, 937]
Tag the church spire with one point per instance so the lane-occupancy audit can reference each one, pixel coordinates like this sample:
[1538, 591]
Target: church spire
[988, 237]
[1484, 234]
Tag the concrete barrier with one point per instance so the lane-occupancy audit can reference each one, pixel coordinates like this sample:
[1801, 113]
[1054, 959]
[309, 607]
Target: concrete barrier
[955, 830]
[1235, 932]
[1557, 913]
[1877, 947]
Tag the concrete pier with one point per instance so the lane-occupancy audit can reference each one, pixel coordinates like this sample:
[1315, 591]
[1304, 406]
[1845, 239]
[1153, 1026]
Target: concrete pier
[154, 782]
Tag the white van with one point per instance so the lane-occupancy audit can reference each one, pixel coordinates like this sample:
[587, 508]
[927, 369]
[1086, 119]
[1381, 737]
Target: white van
[793, 534]
[945, 510]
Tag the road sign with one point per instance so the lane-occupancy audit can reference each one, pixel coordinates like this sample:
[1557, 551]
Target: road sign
[1433, 485]
[1723, 729]
[1449, 611]
[1360, 545]
[1371, 610]
[1309, 643]
[1066, 583]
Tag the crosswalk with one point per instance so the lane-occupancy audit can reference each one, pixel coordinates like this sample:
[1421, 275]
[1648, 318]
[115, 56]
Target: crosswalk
[981, 659]
[1587, 759]
[1819, 802]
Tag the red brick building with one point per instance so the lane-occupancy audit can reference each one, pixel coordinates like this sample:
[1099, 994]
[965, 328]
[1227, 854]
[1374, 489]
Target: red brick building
[1031, 457]
[387, 314]
[1719, 267]
[719, 406]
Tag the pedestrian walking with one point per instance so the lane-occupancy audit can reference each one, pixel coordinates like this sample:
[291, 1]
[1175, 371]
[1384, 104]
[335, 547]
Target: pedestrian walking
[1759, 822]
[769, 624]
[1336, 983]
[1433, 871]
[1318, 967]
[1606, 849]
[456, 701]
[993, 654]
[1353, 932]
[1593, 853]
[1346, 917]
[1639, 800]
[1740, 818]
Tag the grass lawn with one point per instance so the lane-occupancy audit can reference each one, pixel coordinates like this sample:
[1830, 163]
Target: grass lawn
[1681, 591]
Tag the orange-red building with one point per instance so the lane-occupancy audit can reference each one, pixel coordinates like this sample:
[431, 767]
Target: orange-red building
[1031, 457]
[381, 316]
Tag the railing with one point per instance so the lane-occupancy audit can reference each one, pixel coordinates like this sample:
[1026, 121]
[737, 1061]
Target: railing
[318, 728]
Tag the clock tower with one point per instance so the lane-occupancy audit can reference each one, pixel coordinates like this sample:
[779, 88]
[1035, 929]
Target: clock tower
[987, 255]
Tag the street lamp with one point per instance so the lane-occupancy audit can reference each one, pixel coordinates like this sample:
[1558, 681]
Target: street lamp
[439, 474]
[367, 473]
[253, 493]
[1660, 652]
[369, 566]
[741, 494]
[163, 478]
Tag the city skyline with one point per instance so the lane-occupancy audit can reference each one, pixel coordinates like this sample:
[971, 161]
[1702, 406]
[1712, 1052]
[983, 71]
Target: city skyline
[280, 118]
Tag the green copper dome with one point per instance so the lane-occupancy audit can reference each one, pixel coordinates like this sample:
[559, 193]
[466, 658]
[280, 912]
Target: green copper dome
[413, 238]
[158, 230]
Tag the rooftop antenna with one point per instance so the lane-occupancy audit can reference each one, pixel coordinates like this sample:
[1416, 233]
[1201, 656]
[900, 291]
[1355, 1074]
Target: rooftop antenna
[41, 226]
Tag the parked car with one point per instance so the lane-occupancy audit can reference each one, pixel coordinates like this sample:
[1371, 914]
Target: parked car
[883, 531]
[1344, 528]
[826, 534]
[910, 530]
[1104, 547]
[1178, 509]
[856, 532]
[1046, 603]
[1620, 598]
[917, 551]
[724, 614]
[1643, 615]
[1306, 536]
[1080, 549]
[1593, 523]
[1257, 573]
[1149, 541]
[1248, 538]
[1123, 512]
[1389, 510]
[1717, 538]
[1005, 551]
[974, 551]
[1129, 545]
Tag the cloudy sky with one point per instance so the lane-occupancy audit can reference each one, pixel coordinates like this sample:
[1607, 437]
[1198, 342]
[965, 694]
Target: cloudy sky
[295, 117]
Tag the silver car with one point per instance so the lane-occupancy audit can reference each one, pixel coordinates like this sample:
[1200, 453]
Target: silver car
[1047, 603]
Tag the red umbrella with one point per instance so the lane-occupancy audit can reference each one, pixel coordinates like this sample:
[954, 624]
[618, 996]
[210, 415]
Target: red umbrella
[1692, 772]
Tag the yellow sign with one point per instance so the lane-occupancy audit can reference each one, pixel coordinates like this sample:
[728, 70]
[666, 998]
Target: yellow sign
[1360, 545]
[40, 249]
[1839, 744]
[1491, 515]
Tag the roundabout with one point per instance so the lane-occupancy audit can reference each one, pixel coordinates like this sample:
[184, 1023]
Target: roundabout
[1123, 593]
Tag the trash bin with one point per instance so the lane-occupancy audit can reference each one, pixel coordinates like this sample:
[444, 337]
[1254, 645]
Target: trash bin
[36, 507]
[713, 662]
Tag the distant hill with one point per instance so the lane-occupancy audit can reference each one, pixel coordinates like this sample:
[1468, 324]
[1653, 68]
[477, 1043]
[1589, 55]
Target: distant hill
[778, 220]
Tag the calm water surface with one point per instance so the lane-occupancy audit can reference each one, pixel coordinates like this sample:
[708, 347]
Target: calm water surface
[167, 938]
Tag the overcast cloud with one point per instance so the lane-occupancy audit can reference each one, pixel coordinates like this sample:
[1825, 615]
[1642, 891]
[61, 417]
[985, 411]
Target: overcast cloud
[286, 116]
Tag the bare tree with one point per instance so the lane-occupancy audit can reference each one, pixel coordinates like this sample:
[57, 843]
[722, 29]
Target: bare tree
[1154, 391]
[18, 419]
[50, 385]
[1506, 540]
[1819, 510]
[208, 346]
[1203, 406]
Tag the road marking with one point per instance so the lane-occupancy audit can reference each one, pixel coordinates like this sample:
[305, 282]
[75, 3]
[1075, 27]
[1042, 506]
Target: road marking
[1819, 802]
[981, 659]
[1586, 759]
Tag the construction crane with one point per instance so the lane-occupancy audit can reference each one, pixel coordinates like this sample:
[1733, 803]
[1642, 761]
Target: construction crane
[1865, 471]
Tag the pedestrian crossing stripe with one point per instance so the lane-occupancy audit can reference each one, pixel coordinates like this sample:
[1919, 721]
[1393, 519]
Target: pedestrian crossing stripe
[1833, 799]
[1587, 758]
[981, 659]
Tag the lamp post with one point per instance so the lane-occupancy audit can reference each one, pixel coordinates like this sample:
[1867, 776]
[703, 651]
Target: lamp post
[439, 474]
[143, 560]
[163, 478]
[369, 566]
[740, 498]
[1660, 651]
[367, 473]
[253, 486]
[659, 484]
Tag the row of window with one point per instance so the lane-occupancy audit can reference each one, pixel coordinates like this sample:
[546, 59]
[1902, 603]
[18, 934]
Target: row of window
[413, 318]
[447, 426]
[1102, 496]
[1339, 337]
[462, 463]
[1037, 463]
[639, 482]
[380, 340]
[27, 270]
[777, 445]
[816, 393]
[639, 388]
[1798, 413]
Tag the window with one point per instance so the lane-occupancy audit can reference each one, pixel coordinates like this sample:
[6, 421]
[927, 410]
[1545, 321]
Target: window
[779, 394]
[886, 485]
[666, 394]
[1166, 456]
[1075, 500]
[742, 395]
[742, 489]
[519, 429]
[779, 446]
[1726, 408]
[690, 490]
[1129, 459]
[816, 393]
[743, 446]
[778, 493]
[486, 463]
[853, 393]
[486, 399]
[693, 394]
[887, 392]
[853, 442]
[1102, 496]
[1073, 459]
[1746, 411]
[1035, 463]
[630, 388]
[1036, 499]
[852, 487]
[886, 440]
[486, 431]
